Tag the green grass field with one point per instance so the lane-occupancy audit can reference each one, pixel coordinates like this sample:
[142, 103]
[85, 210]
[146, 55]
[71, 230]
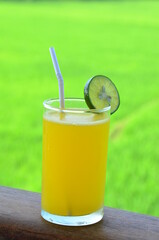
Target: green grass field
[117, 39]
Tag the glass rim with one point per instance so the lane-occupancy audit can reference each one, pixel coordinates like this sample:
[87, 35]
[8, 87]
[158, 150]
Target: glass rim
[47, 102]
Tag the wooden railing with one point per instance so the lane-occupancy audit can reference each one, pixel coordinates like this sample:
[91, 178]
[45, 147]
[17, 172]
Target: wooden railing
[20, 219]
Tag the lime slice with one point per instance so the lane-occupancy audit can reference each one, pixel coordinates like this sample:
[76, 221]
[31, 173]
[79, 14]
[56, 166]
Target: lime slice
[100, 92]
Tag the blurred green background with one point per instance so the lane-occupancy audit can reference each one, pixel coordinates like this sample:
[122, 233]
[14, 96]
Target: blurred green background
[118, 39]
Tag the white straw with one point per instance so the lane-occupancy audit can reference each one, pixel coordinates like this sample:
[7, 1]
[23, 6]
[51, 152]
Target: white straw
[59, 77]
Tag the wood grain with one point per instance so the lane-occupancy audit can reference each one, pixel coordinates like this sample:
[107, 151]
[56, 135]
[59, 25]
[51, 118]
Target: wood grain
[20, 219]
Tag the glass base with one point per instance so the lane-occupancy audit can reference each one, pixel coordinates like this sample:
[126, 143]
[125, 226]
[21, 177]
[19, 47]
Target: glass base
[73, 220]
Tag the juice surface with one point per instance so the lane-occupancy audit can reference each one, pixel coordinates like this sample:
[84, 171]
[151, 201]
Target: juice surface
[74, 163]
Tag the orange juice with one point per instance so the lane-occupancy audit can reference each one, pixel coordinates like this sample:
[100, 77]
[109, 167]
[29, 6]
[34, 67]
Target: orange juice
[74, 162]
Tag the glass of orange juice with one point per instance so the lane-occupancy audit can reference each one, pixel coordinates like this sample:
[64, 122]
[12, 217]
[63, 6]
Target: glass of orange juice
[75, 143]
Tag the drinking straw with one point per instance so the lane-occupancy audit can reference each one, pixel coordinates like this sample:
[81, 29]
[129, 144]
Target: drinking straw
[59, 77]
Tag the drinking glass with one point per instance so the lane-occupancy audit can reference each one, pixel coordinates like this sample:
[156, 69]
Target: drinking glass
[75, 144]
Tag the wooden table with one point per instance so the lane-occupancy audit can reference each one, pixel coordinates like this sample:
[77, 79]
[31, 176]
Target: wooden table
[20, 219]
